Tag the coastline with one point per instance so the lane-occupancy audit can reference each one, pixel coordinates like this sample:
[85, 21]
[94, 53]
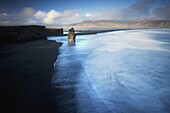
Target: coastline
[26, 69]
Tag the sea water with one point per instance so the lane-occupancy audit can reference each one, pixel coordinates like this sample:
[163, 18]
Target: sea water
[117, 72]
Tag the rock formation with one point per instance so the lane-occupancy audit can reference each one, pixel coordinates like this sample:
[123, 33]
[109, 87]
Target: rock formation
[71, 36]
[31, 32]
[54, 31]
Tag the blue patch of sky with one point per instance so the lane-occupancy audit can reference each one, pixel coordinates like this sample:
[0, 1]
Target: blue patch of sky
[81, 5]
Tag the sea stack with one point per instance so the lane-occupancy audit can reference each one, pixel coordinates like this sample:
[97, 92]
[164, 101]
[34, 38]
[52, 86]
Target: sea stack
[71, 36]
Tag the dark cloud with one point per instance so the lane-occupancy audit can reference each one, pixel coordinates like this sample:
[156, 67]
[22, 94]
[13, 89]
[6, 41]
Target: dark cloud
[162, 12]
[16, 18]
[2, 10]
[137, 10]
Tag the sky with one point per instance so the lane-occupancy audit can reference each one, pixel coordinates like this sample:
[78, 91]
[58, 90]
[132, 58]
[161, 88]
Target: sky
[65, 12]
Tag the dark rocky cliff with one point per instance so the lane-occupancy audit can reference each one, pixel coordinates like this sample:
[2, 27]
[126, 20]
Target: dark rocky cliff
[54, 31]
[32, 32]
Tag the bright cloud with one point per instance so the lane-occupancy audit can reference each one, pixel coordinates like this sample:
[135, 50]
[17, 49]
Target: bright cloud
[88, 15]
[40, 14]
[51, 16]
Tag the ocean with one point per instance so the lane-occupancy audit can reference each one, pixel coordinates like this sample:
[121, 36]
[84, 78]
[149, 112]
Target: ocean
[115, 72]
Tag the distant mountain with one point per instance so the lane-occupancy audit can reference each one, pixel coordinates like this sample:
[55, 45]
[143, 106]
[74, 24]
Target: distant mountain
[122, 24]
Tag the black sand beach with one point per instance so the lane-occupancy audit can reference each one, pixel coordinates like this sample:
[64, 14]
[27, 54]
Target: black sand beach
[25, 76]
[26, 68]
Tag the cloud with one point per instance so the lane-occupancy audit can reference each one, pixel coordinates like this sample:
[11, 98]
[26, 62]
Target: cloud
[18, 18]
[88, 15]
[51, 16]
[135, 12]
[26, 12]
[66, 17]
[32, 16]
[162, 13]
[70, 13]
[40, 14]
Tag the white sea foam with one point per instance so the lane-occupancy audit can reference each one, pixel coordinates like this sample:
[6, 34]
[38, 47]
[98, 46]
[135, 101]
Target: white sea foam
[119, 40]
[130, 72]
[117, 72]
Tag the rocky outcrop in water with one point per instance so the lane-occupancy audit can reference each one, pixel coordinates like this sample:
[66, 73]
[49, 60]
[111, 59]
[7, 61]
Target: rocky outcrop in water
[71, 36]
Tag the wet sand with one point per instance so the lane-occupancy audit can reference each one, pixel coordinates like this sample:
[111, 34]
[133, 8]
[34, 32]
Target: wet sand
[25, 77]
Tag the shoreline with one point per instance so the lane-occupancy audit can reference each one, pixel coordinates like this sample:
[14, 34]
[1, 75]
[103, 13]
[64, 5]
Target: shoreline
[26, 69]
[92, 32]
